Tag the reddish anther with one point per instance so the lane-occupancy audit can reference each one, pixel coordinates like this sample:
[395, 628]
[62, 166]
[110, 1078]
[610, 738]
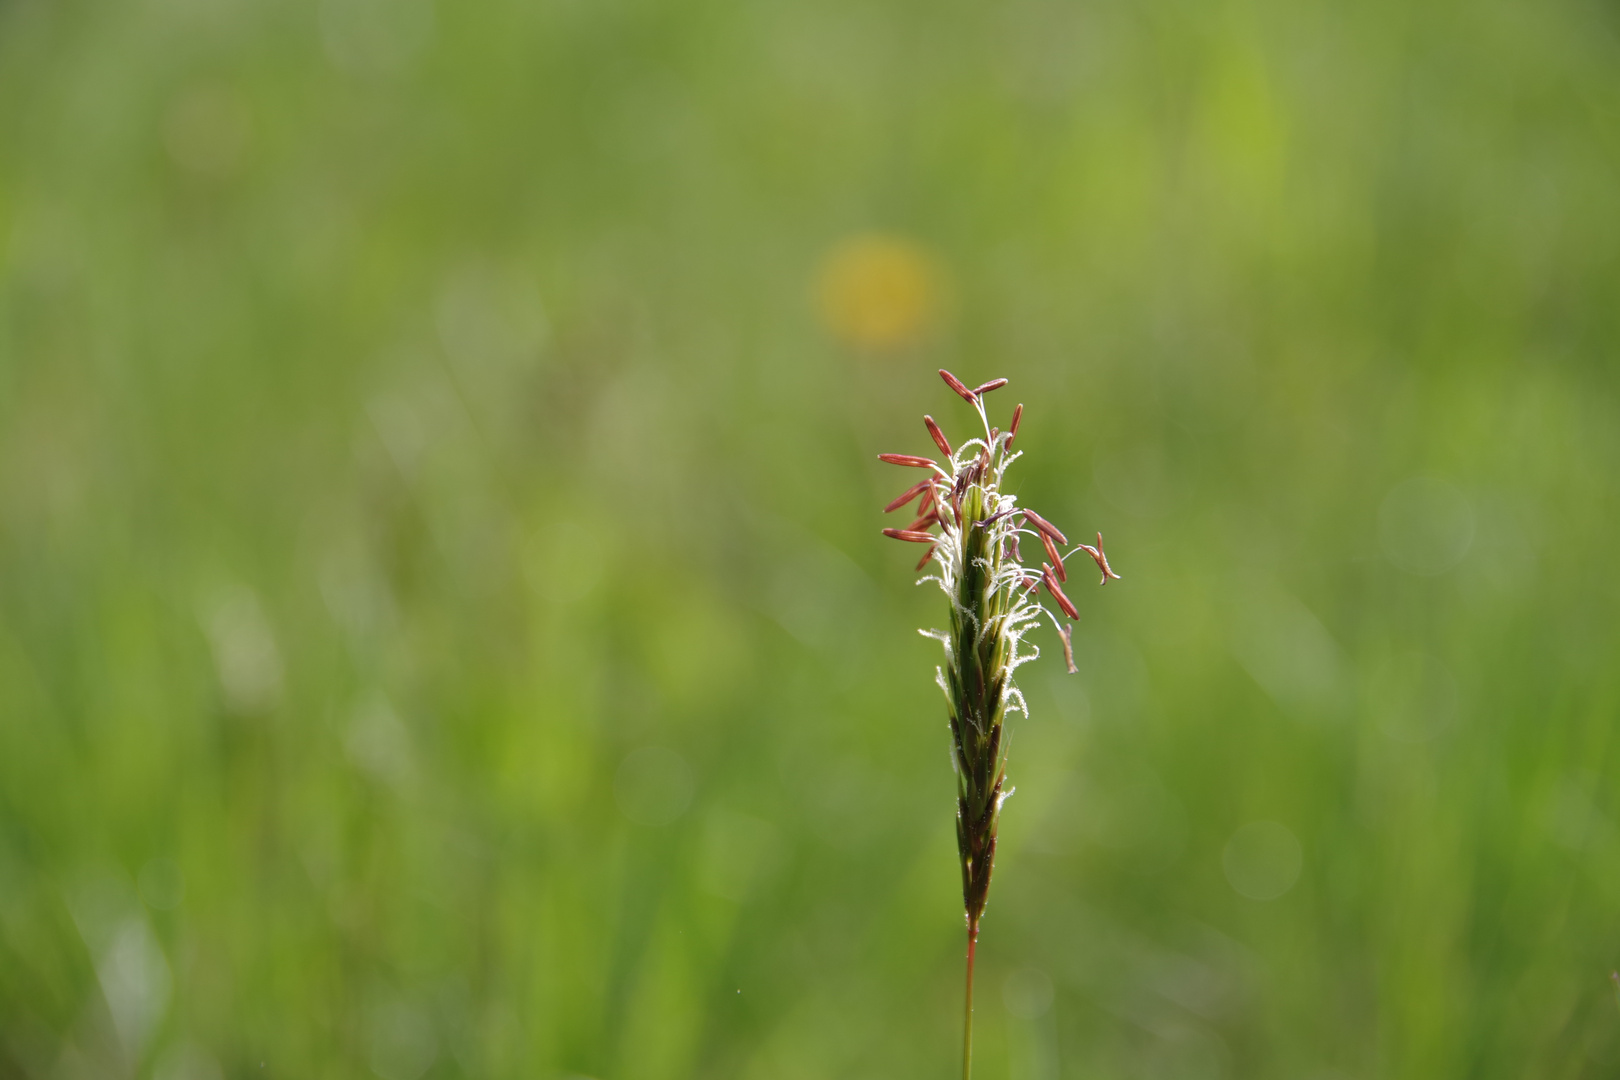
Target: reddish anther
[1052, 553]
[1056, 590]
[925, 521]
[960, 387]
[910, 493]
[909, 459]
[922, 562]
[1012, 431]
[910, 536]
[1045, 526]
[993, 518]
[939, 436]
[1100, 559]
[993, 384]
[1067, 634]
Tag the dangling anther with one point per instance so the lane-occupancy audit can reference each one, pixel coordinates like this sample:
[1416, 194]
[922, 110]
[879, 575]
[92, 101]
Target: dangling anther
[1052, 587]
[1052, 553]
[956, 384]
[1045, 526]
[1100, 559]
[919, 488]
[925, 521]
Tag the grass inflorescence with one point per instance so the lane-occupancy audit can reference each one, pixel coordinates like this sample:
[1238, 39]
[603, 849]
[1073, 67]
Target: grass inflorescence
[973, 530]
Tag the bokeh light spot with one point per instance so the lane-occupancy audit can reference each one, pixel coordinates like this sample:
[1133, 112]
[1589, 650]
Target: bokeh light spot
[161, 884]
[403, 1043]
[379, 743]
[1027, 993]
[880, 293]
[1285, 648]
[654, 786]
[245, 653]
[1425, 526]
[1262, 860]
[1412, 696]
[375, 37]
[740, 854]
[206, 131]
[187, 1061]
[134, 976]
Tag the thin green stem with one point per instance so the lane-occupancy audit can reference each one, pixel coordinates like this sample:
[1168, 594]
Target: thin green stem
[967, 1014]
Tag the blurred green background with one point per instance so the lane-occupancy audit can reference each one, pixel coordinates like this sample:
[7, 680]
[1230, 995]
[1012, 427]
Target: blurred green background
[444, 629]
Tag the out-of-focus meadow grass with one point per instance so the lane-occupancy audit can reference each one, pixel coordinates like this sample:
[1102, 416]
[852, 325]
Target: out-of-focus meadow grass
[443, 625]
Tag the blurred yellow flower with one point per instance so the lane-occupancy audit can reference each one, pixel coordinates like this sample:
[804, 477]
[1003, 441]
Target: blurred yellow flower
[879, 293]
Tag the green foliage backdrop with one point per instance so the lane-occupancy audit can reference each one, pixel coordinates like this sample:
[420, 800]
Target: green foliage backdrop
[443, 624]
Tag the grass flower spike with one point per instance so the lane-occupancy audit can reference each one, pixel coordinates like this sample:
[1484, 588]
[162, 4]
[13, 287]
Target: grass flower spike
[973, 528]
